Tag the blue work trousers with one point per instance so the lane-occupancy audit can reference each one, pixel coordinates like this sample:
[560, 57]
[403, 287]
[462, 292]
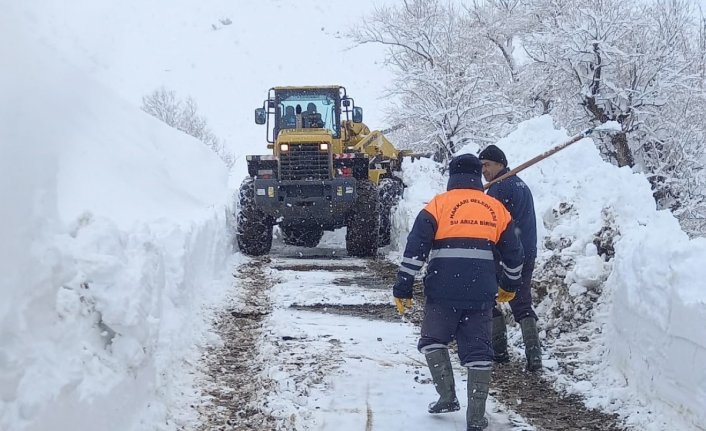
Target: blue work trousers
[470, 328]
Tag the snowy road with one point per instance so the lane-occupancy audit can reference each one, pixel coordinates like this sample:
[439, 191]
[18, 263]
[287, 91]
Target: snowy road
[314, 343]
[380, 381]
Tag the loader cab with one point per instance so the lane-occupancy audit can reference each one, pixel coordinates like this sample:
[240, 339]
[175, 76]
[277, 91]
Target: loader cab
[313, 108]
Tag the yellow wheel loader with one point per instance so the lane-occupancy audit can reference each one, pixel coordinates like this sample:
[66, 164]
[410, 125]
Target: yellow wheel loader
[327, 170]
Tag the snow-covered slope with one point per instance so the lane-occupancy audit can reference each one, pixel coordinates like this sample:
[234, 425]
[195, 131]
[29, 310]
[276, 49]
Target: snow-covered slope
[641, 347]
[225, 54]
[113, 238]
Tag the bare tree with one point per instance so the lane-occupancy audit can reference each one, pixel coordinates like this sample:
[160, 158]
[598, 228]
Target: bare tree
[640, 63]
[183, 115]
[445, 74]
[474, 75]
[501, 22]
[617, 59]
[164, 105]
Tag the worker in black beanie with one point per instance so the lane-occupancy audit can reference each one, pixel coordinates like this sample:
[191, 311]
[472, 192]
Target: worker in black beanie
[517, 198]
[494, 154]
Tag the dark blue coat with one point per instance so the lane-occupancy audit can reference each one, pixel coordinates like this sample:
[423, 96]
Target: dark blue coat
[458, 233]
[517, 198]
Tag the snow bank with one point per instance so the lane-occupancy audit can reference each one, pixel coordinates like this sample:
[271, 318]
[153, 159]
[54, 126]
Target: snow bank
[657, 329]
[423, 179]
[635, 320]
[653, 294]
[114, 238]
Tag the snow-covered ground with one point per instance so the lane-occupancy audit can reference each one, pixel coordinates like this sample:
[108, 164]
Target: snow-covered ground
[329, 371]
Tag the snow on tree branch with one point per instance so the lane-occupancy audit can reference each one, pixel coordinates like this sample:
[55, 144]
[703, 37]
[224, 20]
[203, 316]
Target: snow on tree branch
[470, 73]
[183, 115]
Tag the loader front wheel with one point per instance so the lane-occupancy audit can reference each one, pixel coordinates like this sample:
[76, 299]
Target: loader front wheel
[390, 191]
[253, 227]
[363, 223]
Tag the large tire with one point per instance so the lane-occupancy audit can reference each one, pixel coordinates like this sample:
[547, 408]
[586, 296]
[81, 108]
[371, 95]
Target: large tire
[253, 227]
[302, 236]
[363, 223]
[390, 191]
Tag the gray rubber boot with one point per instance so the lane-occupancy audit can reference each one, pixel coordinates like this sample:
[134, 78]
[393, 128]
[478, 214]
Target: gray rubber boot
[441, 372]
[499, 340]
[478, 385]
[533, 350]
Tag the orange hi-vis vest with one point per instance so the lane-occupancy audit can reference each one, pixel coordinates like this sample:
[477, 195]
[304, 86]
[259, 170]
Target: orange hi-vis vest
[468, 213]
[460, 234]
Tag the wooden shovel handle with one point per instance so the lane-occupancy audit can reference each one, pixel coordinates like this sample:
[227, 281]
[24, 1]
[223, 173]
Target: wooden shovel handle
[539, 158]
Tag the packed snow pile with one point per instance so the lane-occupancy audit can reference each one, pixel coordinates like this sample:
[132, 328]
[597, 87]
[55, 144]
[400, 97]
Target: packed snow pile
[623, 293]
[113, 239]
[423, 179]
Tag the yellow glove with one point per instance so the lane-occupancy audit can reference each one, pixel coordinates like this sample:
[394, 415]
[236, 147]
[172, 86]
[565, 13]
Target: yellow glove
[403, 304]
[504, 295]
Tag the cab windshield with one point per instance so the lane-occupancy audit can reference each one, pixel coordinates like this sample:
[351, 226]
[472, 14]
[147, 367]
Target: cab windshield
[319, 108]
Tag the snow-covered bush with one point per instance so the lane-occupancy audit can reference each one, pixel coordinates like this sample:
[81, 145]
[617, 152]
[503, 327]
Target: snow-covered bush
[183, 115]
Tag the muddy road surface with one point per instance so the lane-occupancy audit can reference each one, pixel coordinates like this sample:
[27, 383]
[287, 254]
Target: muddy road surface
[311, 341]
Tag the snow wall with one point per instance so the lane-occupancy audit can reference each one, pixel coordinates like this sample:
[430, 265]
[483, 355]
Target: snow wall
[653, 303]
[114, 239]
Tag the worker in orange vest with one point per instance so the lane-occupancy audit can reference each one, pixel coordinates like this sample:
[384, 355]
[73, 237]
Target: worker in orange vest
[457, 233]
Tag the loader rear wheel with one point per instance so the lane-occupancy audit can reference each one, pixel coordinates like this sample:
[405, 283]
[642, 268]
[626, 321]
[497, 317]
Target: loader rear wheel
[363, 223]
[390, 191]
[302, 236]
[253, 227]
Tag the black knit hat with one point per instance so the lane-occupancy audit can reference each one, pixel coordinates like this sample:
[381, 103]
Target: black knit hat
[464, 173]
[465, 164]
[494, 154]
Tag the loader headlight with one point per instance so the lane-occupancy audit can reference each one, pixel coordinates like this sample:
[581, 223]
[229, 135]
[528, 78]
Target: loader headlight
[284, 147]
[323, 146]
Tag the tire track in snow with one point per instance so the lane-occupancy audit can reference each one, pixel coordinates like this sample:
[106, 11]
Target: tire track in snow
[233, 383]
[369, 411]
